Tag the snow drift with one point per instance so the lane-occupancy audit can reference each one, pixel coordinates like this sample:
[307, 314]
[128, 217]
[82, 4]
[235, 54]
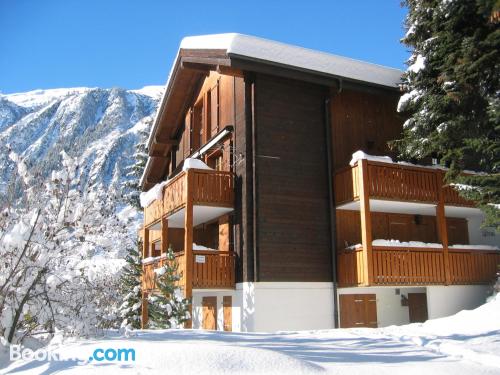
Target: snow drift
[465, 343]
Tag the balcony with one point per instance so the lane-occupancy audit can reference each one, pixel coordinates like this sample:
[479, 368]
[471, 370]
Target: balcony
[395, 182]
[211, 193]
[377, 190]
[211, 269]
[418, 266]
[193, 197]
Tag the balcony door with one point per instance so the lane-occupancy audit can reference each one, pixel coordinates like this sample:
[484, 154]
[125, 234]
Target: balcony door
[417, 306]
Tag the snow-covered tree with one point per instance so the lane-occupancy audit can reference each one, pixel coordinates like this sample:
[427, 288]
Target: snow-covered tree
[452, 95]
[134, 172]
[131, 277]
[168, 308]
[60, 262]
[130, 310]
[496, 287]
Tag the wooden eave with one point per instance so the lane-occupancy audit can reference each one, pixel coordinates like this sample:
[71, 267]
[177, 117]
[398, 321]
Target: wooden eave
[190, 69]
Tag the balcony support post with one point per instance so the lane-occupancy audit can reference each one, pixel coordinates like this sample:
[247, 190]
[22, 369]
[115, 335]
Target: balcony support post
[145, 243]
[442, 228]
[366, 221]
[188, 242]
[144, 312]
[164, 235]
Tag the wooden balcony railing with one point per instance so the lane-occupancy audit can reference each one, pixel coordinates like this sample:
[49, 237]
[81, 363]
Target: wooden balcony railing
[347, 184]
[211, 269]
[400, 182]
[473, 266]
[149, 277]
[408, 266]
[350, 267]
[216, 270]
[418, 266]
[207, 187]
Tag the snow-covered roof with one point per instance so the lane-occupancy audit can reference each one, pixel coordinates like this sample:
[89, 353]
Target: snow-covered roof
[265, 50]
[250, 49]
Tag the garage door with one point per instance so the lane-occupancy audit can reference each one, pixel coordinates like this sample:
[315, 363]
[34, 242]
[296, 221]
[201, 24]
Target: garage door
[358, 310]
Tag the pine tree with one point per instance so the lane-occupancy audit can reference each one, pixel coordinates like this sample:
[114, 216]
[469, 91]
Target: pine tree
[130, 284]
[452, 94]
[496, 287]
[134, 172]
[168, 308]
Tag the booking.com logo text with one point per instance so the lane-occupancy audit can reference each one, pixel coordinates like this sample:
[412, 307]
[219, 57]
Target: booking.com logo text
[120, 355]
[98, 355]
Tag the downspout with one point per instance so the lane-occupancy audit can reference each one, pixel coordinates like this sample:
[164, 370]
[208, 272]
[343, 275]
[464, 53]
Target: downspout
[331, 203]
[254, 189]
[233, 169]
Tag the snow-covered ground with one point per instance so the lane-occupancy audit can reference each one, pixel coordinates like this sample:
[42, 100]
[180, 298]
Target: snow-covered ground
[463, 344]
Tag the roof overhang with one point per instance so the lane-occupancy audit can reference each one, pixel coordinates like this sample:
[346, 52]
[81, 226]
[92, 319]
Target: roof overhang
[234, 54]
[185, 80]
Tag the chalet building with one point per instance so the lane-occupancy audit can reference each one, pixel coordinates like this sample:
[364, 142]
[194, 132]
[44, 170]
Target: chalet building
[251, 180]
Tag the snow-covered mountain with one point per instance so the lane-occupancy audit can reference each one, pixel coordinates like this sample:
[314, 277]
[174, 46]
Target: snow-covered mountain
[99, 126]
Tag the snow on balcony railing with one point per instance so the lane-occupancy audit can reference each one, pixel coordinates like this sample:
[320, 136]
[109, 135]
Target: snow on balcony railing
[418, 263]
[207, 187]
[386, 179]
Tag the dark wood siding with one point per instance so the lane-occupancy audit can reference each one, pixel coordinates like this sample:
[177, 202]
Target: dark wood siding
[243, 239]
[363, 121]
[292, 186]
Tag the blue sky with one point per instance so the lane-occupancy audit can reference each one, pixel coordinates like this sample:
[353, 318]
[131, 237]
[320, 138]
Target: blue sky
[131, 43]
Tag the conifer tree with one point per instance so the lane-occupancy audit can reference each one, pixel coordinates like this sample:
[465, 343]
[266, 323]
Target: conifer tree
[130, 284]
[452, 94]
[168, 308]
[134, 172]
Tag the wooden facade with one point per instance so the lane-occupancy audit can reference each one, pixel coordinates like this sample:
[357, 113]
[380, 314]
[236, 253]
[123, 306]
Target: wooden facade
[281, 140]
[417, 266]
[211, 269]
[292, 186]
[398, 182]
[391, 265]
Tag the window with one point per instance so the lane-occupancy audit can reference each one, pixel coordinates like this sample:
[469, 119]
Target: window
[216, 160]
[197, 128]
[156, 249]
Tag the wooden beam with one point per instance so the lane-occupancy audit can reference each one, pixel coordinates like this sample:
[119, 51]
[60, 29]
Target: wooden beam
[442, 228]
[366, 221]
[286, 72]
[203, 68]
[145, 243]
[159, 154]
[188, 242]
[144, 312]
[212, 62]
[165, 141]
[164, 235]
[152, 181]
[227, 70]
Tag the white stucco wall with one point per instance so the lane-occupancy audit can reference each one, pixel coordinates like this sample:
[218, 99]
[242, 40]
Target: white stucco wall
[290, 306]
[389, 309]
[479, 236]
[448, 300]
[268, 307]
